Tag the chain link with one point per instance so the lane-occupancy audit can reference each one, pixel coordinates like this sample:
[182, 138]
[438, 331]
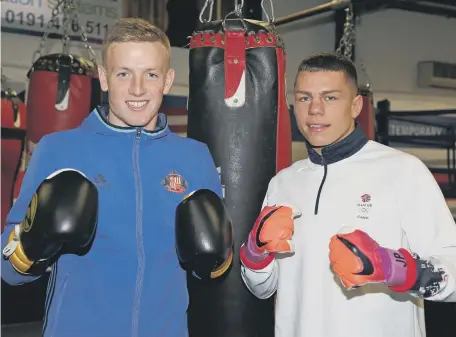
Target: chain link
[209, 3]
[69, 10]
[91, 54]
[55, 12]
[238, 8]
[348, 41]
[271, 18]
[65, 37]
[349, 35]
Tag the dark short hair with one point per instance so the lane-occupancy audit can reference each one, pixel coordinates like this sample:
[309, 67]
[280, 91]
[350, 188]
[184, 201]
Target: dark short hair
[330, 62]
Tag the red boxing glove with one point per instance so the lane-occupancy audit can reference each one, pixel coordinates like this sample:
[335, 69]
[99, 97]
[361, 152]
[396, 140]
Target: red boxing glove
[357, 259]
[271, 233]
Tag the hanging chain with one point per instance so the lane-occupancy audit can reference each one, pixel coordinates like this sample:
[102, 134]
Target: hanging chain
[209, 3]
[91, 54]
[348, 37]
[68, 8]
[4, 79]
[65, 37]
[55, 13]
[238, 8]
[348, 41]
[271, 18]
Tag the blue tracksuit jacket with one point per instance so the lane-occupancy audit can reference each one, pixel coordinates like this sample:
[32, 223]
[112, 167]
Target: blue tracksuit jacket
[130, 284]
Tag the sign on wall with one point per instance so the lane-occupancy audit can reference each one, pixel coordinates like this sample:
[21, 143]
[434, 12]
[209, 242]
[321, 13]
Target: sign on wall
[31, 17]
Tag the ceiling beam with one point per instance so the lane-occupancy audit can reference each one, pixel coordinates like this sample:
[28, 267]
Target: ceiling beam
[439, 8]
[425, 7]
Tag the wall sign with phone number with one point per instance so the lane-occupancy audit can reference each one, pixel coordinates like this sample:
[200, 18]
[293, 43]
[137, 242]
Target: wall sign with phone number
[31, 20]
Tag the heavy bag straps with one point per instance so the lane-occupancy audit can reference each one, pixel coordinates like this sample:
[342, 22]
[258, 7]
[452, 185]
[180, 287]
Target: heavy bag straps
[11, 96]
[15, 132]
[235, 36]
[64, 64]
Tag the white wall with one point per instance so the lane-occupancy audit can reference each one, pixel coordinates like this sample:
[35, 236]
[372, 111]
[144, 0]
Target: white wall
[391, 43]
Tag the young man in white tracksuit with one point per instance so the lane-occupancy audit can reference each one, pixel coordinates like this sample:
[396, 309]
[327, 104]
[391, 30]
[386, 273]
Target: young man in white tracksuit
[372, 236]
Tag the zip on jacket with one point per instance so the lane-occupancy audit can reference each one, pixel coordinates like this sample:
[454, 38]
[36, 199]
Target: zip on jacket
[139, 237]
[335, 152]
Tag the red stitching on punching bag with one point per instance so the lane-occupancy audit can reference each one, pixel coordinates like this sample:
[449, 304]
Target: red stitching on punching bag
[283, 116]
[234, 68]
[218, 40]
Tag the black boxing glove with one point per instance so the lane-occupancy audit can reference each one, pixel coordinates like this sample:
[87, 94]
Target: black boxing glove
[204, 235]
[61, 219]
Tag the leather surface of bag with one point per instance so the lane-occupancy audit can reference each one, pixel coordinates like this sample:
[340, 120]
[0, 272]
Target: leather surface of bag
[237, 106]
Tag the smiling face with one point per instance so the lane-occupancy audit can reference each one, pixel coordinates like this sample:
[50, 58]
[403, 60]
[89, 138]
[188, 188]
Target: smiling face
[137, 75]
[326, 104]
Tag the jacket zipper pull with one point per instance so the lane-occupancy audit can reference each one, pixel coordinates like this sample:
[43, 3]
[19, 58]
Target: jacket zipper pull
[325, 167]
[138, 133]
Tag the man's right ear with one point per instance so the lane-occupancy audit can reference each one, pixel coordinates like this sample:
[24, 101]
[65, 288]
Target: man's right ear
[103, 78]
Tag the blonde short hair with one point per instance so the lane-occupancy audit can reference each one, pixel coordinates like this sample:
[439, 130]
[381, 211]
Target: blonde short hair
[135, 30]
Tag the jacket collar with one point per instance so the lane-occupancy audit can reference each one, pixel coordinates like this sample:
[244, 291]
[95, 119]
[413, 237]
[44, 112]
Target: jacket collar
[338, 151]
[97, 122]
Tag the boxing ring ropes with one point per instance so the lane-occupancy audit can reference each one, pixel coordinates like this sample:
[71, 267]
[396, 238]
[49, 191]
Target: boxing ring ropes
[433, 129]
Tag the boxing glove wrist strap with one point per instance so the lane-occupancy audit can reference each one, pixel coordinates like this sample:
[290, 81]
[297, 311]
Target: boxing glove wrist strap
[14, 251]
[253, 259]
[411, 274]
[394, 266]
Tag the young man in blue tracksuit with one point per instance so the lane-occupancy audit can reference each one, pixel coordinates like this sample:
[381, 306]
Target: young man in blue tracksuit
[130, 283]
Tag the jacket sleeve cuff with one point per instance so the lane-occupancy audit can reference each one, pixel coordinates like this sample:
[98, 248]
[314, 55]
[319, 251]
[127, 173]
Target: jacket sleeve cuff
[254, 263]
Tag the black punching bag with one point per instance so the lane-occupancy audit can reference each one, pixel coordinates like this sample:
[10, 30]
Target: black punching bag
[237, 106]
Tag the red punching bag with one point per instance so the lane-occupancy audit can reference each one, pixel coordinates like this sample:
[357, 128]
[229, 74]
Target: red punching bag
[366, 118]
[14, 122]
[237, 106]
[61, 94]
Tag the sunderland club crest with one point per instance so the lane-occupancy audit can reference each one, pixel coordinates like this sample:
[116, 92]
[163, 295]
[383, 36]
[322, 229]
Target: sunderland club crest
[175, 183]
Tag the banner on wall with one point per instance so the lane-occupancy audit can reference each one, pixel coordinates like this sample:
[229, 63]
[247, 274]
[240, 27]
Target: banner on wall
[31, 17]
[422, 131]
